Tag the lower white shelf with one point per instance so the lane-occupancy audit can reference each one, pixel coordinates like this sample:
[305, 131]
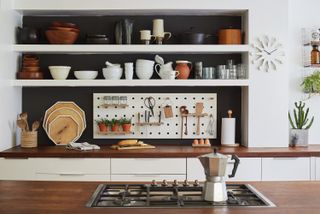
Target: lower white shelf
[113, 83]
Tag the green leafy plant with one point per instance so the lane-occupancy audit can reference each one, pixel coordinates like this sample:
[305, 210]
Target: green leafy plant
[114, 122]
[300, 117]
[125, 121]
[311, 84]
[102, 121]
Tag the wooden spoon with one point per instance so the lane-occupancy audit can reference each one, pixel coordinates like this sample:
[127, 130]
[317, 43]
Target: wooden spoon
[24, 116]
[22, 124]
[35, 125]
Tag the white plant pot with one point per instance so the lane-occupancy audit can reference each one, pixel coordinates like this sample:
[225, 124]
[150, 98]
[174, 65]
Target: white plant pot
[299, 137]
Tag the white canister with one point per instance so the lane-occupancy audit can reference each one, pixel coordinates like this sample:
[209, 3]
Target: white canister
[128, 70]
[228, 131]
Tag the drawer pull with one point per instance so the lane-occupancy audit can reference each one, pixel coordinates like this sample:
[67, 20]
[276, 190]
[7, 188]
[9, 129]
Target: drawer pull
[71, 174]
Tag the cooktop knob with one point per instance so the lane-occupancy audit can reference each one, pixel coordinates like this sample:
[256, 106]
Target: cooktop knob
[185, 183]
[153, 183]
[175, 183]
[196, 183]
[164, 183]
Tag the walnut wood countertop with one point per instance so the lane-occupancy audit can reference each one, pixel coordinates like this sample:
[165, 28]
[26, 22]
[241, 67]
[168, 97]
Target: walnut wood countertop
[158, 152]
[71, 197]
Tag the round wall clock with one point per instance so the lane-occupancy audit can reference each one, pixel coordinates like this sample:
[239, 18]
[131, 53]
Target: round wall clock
[267, 53]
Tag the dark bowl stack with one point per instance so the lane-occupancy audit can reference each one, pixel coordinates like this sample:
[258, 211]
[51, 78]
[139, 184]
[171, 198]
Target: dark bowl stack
[30, 68]
[62, 33]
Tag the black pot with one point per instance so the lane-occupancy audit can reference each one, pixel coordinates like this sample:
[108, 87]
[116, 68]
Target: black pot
[28, 35]
[194, 38]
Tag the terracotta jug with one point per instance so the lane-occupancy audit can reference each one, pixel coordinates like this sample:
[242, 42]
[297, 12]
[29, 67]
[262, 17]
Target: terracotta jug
[184, 68]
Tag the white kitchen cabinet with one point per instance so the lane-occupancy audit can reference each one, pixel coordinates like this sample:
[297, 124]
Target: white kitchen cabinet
[316, 168]
[148, 177]
[173, 166]
[75, 169]
[286, 169]
[16, 169]
[249, 169]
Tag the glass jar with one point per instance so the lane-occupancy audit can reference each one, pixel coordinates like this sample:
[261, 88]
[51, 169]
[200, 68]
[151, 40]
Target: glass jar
[115, 100]
[107, 100]
[123, 100]
[315, 55]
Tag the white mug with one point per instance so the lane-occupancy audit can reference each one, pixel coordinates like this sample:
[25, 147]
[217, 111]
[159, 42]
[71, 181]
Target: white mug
[158, 29]
[146, 35]
[171, 75]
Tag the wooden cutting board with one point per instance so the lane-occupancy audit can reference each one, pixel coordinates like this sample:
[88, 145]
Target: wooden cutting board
[63, 130]
[145, 146]
[65, 111]
[62, 104]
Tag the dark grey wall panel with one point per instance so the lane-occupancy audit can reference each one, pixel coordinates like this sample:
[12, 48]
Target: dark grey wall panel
[35, 101]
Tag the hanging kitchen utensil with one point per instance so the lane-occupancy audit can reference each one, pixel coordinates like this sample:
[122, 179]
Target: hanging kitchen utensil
[150, 103]
[199, 109]
[210, 127]
[167, 108]
[186, 131]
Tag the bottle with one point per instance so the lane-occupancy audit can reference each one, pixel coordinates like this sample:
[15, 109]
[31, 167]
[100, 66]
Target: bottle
[315, 55]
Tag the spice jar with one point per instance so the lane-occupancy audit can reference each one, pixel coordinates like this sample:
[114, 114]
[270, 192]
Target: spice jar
[315, 55]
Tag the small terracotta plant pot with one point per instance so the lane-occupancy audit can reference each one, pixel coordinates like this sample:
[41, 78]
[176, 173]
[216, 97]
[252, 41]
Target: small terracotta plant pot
[115, 127]
[126, 127]
[103, 127]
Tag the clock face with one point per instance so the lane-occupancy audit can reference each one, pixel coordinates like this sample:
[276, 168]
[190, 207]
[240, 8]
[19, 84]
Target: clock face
[267, 53]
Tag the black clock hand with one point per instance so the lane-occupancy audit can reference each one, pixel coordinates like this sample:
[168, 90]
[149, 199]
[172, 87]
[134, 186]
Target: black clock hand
[267, 52]
[273, 51]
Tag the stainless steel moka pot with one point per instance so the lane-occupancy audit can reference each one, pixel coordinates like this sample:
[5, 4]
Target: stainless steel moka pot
[215, 165]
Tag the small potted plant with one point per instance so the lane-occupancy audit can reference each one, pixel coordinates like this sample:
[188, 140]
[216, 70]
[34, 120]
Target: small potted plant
[114, 125]
[103, 125]
[311, 84]
[299, 133]
[126, 124]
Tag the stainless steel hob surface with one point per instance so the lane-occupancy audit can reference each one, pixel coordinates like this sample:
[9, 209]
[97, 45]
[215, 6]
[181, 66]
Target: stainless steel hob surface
[173, 195]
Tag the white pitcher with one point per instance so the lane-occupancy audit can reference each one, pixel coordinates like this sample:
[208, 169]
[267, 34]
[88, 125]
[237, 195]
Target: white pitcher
[166, 71]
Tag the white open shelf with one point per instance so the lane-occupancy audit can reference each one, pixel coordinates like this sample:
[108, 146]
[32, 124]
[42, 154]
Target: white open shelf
[88, 49]
[115, 83]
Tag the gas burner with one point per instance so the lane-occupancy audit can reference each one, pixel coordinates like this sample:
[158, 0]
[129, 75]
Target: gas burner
[172, 195]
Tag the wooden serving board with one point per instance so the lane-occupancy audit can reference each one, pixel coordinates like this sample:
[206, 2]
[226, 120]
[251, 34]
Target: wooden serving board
[201, 145]
[146, 146]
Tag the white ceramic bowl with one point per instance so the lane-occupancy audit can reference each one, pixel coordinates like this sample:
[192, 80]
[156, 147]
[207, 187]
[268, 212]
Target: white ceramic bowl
[59, 72]
[86, 75]
[144, 62]
[112, 73]
[144, 72]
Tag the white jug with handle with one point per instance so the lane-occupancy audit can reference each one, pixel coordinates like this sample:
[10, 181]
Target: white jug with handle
[164, 71]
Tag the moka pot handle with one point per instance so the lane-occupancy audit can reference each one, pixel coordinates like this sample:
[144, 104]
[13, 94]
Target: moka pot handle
[235, 166]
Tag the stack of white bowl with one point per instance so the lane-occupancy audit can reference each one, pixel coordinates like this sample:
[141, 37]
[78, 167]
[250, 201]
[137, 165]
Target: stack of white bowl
[144, 68]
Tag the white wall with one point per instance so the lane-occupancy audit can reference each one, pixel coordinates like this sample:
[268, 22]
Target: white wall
[10, 98]
[303, 14]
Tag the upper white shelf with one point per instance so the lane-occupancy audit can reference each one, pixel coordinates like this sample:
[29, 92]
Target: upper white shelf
[116, 83]
[89, 49]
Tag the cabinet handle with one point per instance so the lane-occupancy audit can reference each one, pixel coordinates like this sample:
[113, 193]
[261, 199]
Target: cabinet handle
[71, 174]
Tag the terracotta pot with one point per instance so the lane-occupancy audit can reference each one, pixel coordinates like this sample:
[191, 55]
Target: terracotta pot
[115, 128]
[126, 127]
[103, 127]
[184, 68]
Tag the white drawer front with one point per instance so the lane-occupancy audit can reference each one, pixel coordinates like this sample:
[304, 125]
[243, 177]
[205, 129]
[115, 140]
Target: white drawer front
[72, 177]
[147, 177]
[195, 170]
[249, 169]
[148, 166]
[317, 168]
[16, 169]
[73, 165]
[285, 169]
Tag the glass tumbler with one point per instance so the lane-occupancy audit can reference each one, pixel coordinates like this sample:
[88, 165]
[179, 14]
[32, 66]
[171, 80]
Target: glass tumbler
[241, 71]
[233, 72]
[207, 73]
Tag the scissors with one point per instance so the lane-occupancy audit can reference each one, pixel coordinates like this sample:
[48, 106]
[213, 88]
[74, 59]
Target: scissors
[150, 102]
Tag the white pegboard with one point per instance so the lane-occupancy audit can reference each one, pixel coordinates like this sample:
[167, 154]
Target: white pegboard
[171, 127]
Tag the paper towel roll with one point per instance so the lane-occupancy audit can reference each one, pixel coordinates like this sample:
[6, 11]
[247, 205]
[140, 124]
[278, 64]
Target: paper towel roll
[228, 131]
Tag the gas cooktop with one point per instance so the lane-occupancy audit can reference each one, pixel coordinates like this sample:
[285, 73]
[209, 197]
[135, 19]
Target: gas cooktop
[172, 196]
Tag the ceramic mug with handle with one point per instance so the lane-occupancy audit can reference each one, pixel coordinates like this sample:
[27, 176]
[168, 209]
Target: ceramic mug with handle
[171, 75]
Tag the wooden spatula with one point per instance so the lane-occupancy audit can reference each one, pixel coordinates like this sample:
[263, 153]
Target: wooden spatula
[199, 110]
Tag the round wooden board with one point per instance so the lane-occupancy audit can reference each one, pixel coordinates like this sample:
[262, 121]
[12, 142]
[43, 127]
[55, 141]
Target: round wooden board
[62, 104]
[63, 130]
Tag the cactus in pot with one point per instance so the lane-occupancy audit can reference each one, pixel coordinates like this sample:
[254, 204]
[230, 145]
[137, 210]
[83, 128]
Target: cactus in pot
[300, 124]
